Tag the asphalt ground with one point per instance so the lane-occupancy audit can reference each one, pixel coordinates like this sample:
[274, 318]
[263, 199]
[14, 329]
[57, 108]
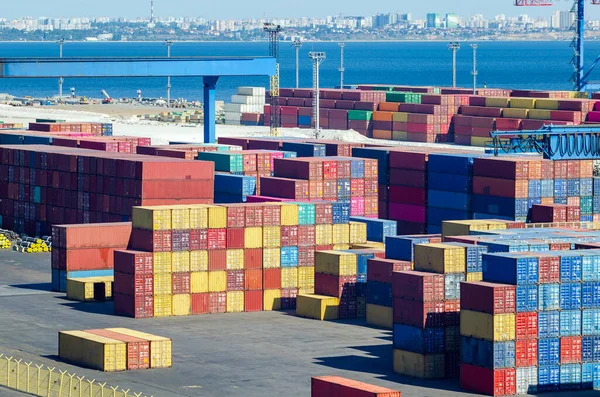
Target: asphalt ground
[238, 354]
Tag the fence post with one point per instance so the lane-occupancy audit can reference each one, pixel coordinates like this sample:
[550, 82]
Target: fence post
[28, 377]
[50, 379]
[18, 370]
[125, 392]
[62, 377]
[80, 387]
[102, 386]
[114, 389]
[39, 370]
[91, 382]
[71, 384]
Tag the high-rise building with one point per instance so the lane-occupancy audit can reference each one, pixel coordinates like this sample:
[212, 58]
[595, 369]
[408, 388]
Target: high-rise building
[451, 21]
[567, 19]
[433, 20]
[555, 20]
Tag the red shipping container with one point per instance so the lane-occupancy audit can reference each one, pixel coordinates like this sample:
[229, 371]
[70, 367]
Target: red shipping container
[330, 190]
[235, 238]
[412, 178]
[339, 286]
[511, 169]
[526, 353]
[254, 216]
[407, 195]
[132, 262]
[272, 278]
[420, 286]
[235, 280]
[500, 187]
[570, 350]
[549, 268]
[306, 235]
[100, 235]
[288, 298]
[499, 382]
[451, 313]
[217, 302]
[180, 240]
[198, 239]
[526, 325]
[151, 240]
[83, 259]
[138, 350]
[253, 258]
[200, 303]
[488, 298]
[217, 260]
[253, 280]
[381, 270]
[306, 256]
[547, 169]
[357, 187]
[181, 283]
[335, 386]
[236, 216]
[289, 236]
[548, 213]
[586, 168]
[283, 187]
[217, 239]
[138, 306]
[253, 301]
[418, 314]
[271, 215]
[573, 213]
[299, 168]
[330, 170]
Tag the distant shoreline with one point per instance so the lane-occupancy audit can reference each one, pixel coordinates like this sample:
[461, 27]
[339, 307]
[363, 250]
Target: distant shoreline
[524, 40]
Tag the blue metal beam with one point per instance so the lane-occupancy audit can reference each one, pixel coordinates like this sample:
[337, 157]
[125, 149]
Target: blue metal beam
[135, 67]
[209, 68]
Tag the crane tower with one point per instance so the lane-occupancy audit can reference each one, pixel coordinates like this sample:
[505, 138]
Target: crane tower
[273, 32]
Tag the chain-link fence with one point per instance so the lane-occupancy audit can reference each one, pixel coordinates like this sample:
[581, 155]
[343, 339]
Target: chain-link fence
[47, 381]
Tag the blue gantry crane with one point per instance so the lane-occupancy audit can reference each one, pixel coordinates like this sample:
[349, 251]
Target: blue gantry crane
[580, 76]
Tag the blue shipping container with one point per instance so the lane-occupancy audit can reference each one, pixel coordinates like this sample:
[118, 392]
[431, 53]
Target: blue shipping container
[548, 351]
[451, 200]
[474, 256]
[590, 295]
[379, 293]
[590, 322]
[573, 188]
[435, 215]
[549, 297]
[357, 168]
[570, 296]
[377, 229]
[341, 212]
[305, 149]
[570, 323]
[548, 188]
[483, 353]
[561, 200]
[590, 263]
[586, 187]
[343, 188]
[417, 340]
[383, 160]
[450, 182]
[570, 377]
[289, 256]
[527, 298]
[548, 378]
[590, 349]
[505, 246]
[535, 188]
[461, 164]
[402, 247]
[510, 268]
[237, 185]
[570, 267]
[502, 206]
[452, 285]
[590, 376]
[560, 188]
[548, 324]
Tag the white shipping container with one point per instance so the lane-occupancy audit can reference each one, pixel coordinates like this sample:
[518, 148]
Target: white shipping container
[527, 380]
[232, 122]
[233, 116]
[248, 100]
[239, 108]
[252, 91]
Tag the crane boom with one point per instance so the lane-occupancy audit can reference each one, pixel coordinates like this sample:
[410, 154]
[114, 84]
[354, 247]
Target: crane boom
[536, 3]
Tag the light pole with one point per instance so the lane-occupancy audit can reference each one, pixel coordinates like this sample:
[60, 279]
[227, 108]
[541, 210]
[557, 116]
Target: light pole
[317, 58]
[341, 68]
[297, 43]
[60, 79]
[474, 73]
[169, 43]
[454, 47]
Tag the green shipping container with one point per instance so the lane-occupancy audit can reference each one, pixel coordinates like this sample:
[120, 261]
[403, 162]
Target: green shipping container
[360, 115]
[226, 162]
[306, 214]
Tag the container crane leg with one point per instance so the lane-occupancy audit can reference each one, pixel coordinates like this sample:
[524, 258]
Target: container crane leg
[210, 89]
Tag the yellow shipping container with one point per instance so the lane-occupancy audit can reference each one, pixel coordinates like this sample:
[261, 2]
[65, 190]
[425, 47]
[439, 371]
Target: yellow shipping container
[235, 259]
[401, 136]
[522, 103]
[289, 214]
[160, 347]
[540, 114]
[369, 245]
[163, 305]
[515, 113]
[496, 102]
[380, 316]
[341, 233]
[82, 289]
[180, 261]
[151, 218]
[289, 277]
[253, 237]
[217, 217]
[217, 281]
[496, 225]
[324, 234]
[306, 277]
[336, 263]
[317, 307]
[199, 282]
[480, 141]
[180, 217]
[358, 232]
[271, 258]
[475, 276]
[92, 351]
[462, 228]
[306, 291]
[163, 283]
[423, 366]
[341, 247]
[495, 328]
[271, 299]
[162, 262]
[440, 258]
[181, 305]
[400, 116]
[235, 301]
[272, 236]
[549, 104]
[198, 216]
[199, 261]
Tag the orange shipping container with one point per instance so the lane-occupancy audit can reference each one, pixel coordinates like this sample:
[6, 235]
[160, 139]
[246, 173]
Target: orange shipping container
[383, 116]
[138, 350]
[93, 235]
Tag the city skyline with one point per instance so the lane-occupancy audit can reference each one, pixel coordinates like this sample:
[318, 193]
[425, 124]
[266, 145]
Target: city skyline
[241, 9]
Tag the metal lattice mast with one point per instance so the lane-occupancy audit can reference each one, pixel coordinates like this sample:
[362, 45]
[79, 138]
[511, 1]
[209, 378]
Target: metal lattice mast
[577, 44]
[474, 73]
[454, 47]
[297, 43]
[341, 68]
[60, 80]
[273, 32]
[169, 44]
[317, 58]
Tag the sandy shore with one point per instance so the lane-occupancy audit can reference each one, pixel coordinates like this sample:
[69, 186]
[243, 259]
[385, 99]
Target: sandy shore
[126, 122]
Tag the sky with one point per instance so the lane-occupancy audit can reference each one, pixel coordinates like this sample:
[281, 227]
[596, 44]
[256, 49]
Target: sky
[237, 9]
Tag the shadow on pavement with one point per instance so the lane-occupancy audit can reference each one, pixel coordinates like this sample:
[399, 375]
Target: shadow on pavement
[36, 287]
[107, 308]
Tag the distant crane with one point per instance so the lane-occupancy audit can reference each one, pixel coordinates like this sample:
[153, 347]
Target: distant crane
[273, 32]
[317, 58]
[297, 43]
[169, 44]
[454, 47]
[107, 99]
[60, 43]
[579, 75]
[341, 69]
